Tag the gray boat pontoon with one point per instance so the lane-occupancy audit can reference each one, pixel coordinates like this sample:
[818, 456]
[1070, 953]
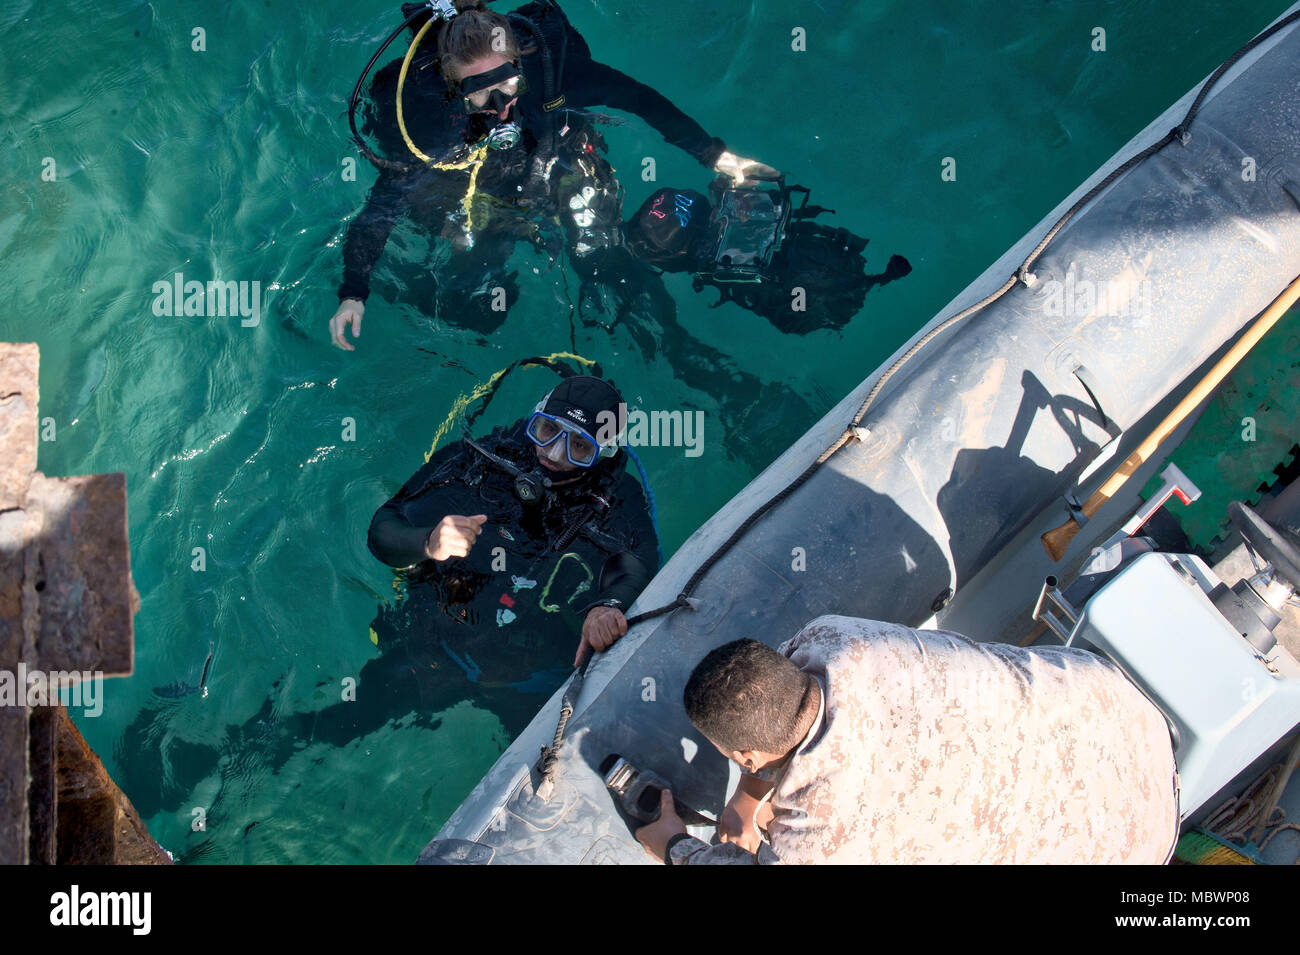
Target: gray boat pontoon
[930, 513]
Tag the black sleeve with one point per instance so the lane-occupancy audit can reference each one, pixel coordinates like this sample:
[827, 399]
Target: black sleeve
[395, 190]
[625, 574]
[588, 83]
[622, 578]
[394, 538]
[368, 233]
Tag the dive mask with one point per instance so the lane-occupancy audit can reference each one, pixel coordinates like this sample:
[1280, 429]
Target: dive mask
[492, 90]
[580, 448]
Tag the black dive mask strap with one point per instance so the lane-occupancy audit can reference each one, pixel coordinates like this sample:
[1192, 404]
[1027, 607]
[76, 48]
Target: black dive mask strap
[480, 81]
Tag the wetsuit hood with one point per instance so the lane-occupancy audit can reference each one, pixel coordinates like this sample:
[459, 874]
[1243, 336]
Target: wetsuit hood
[590, 403]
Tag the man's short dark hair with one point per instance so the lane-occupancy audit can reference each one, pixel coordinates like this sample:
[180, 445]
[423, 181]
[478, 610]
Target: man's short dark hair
[746, 696]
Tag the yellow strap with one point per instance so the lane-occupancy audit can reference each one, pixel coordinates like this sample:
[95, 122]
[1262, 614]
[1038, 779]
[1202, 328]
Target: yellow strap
[464, 401]
[472, 162]
[466, 204]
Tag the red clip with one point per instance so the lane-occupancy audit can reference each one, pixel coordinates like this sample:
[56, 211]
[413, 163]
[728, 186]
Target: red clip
[507, 600]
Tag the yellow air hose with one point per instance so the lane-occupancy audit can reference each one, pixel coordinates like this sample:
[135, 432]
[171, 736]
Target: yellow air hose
[464, 401]
[473, 162]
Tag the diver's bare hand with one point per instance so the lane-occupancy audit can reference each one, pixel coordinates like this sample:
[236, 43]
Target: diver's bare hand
[349, 313]
[600, 631]
[454, 536]
[743, 170]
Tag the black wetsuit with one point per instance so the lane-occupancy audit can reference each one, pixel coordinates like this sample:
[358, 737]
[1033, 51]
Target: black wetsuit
[558, 162]
[462, 629]
[502, 624]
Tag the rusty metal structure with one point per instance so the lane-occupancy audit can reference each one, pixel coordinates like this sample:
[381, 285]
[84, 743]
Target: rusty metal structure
[66, 606]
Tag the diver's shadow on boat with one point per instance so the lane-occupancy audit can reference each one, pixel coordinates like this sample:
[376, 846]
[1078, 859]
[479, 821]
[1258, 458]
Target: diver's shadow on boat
[992, 492]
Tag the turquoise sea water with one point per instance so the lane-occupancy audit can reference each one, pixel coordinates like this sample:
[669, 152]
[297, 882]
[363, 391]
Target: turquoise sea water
[226, 164]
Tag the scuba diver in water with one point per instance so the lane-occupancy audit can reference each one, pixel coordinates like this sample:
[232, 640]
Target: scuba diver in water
[519, 553]
[760, 250]
[502, 100]
[538, 529]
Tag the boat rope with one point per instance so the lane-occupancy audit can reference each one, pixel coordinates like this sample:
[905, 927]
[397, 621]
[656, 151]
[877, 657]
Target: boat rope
[550, 754]
[1023, 275]
[1235, 818]
[854, 430]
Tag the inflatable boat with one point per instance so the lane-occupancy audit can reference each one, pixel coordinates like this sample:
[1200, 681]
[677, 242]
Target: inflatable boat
[922, 496]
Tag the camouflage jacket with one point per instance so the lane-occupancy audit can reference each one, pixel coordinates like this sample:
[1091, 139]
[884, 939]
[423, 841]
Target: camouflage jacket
[932, 748]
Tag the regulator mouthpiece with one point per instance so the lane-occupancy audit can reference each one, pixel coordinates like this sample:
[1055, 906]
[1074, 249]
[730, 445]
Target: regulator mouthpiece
[504, 136]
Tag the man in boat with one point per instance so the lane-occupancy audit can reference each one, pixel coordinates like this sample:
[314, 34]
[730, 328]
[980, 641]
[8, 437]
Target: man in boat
[871, 742]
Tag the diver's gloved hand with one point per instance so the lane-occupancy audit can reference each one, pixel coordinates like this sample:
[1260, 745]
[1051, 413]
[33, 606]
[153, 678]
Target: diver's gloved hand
[350, 312]
[743, 171]
[454, 536]
[600, 631]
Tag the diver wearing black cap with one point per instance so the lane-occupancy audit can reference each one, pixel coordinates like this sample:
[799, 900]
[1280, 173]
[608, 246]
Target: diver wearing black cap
[484, 135]
[516, 549]
[549, 542]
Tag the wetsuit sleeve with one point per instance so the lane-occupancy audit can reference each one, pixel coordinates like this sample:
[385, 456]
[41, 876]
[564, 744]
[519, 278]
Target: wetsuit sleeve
[588, 83]
[625, 574]
[622, 578]
[598, 84]
[368, 233]
[394, 538]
